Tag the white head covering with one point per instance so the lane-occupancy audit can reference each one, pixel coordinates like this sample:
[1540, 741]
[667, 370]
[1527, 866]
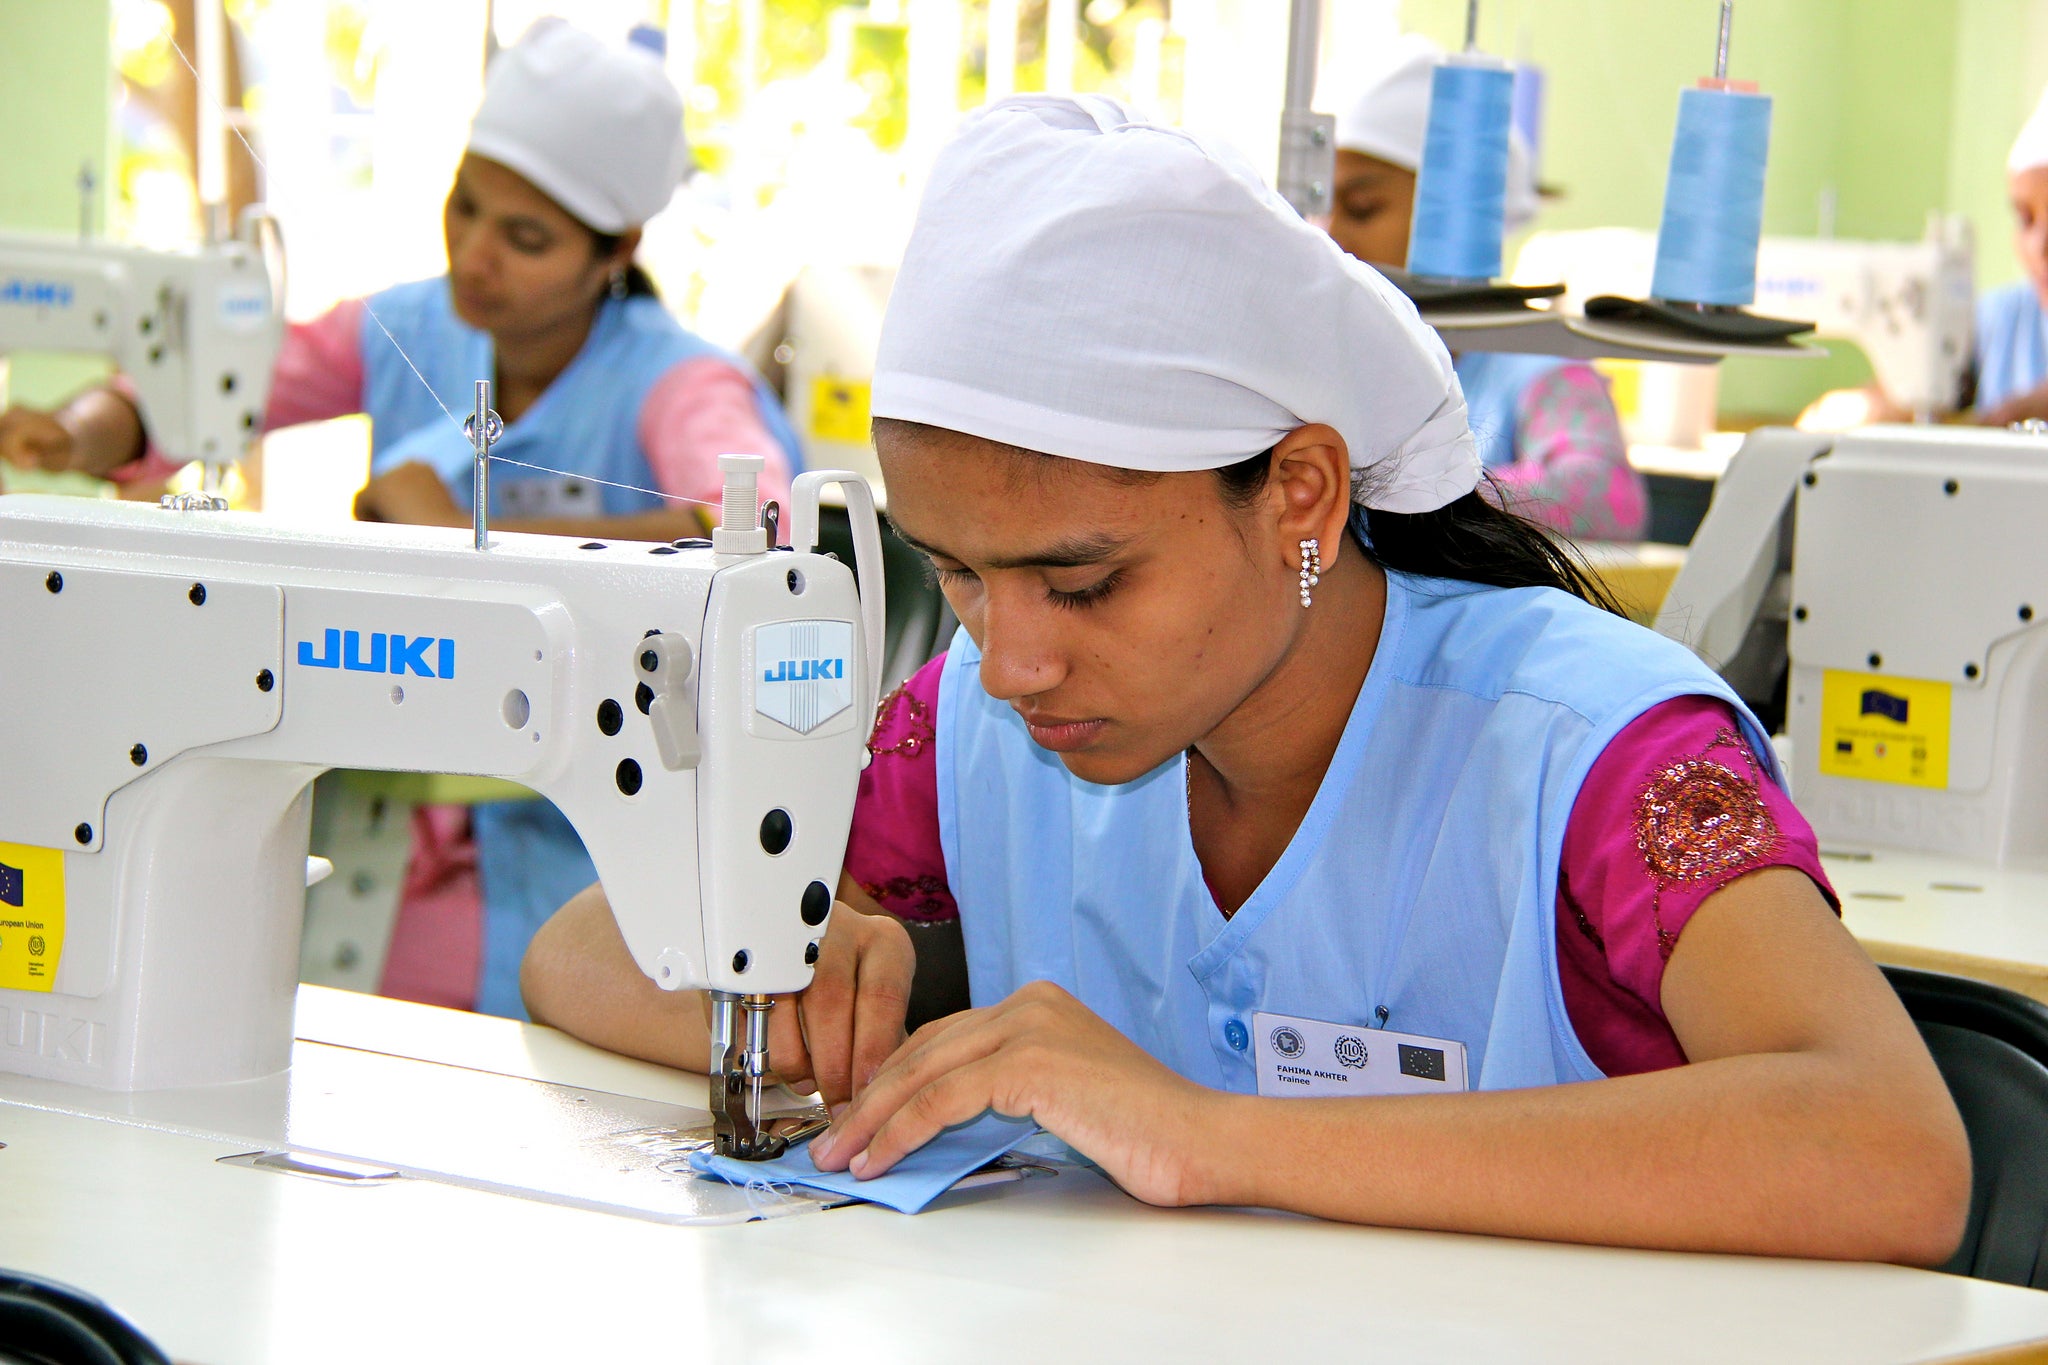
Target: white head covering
[1389, 118]
[2030, 148]
[596, 128]
[1089, 285]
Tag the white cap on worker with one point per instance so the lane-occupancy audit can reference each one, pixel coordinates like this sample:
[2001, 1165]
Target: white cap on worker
[598, 128]
[1387, 117]
[2030, 148]
[1082, 283]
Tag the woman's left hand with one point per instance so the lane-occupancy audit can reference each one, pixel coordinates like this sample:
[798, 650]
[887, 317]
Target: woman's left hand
[412, 494]
[1044, 1054]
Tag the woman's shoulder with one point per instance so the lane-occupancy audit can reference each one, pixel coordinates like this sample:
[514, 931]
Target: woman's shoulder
[2008, 306]
[1492, 641]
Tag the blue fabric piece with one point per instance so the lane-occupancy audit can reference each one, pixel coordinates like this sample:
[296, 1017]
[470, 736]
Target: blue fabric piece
[1422, 879]
[2012, 344]
[587, 422]
[909, 1185]
[1494, 382]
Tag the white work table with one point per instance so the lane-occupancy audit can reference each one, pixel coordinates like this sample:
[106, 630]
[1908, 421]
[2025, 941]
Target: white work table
[225, 1264]
[1944, 915]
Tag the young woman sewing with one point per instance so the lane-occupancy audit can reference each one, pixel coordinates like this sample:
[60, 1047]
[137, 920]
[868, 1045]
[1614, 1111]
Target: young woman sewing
[1274, 760]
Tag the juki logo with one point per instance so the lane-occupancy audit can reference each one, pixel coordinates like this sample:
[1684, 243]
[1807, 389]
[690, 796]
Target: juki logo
[804, 670]
[36, 293]
[380, 653]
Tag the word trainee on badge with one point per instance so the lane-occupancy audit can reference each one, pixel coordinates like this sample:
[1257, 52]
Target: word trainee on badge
[1309, 1057]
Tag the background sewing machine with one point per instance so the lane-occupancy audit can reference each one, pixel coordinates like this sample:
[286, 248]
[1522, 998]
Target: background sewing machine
[1887, 591]
[195, 331]
[176, 679]
[1909, 306]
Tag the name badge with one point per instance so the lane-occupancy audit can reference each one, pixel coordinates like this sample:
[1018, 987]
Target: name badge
[542, 497]
[1306, 1057]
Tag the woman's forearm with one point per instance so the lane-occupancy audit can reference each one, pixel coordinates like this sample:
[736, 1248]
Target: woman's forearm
[579, 977]
[1777, 1154]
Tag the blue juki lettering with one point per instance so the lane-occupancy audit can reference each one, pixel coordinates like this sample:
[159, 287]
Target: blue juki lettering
[410, 654]
[330, 652]
[445, 665]
[352, 652]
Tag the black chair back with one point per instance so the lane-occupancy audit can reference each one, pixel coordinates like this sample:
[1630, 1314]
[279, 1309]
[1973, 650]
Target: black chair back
[1992, 1047]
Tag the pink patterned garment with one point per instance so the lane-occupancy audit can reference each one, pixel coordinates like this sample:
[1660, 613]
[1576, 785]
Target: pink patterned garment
[1571, 472]
[1674, 810]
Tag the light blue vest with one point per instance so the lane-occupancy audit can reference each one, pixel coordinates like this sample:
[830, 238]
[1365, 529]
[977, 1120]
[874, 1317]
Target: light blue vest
[1423, 878]
[588, 421]
[1494, 382]
[529, 860]
[2012, 344]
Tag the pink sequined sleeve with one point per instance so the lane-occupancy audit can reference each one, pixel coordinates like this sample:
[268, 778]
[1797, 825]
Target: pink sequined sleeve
[1676, 808]
[893, 852]
[1571, 471]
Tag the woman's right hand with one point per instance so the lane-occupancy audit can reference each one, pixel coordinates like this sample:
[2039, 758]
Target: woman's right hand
[33, 439]
[835, 1036]
[579, 977]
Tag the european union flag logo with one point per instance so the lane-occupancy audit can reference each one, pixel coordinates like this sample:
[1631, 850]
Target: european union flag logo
[10, 886]
[1423, 1063]
[1876, 703]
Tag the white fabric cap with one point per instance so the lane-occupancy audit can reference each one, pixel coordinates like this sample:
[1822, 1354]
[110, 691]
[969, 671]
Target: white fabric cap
[1085, 284]
[2030, 148]
[1388, 117]
[596, 128]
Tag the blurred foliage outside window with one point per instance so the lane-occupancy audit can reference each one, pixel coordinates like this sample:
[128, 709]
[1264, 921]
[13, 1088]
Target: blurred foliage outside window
[801, 114]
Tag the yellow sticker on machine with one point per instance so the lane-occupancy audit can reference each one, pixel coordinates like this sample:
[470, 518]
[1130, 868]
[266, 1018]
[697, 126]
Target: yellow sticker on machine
[31, 916]
[1884, 729]
[839, 410]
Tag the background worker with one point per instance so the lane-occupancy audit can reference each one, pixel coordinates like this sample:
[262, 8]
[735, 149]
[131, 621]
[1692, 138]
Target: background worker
[576, 144]
[1546, 427]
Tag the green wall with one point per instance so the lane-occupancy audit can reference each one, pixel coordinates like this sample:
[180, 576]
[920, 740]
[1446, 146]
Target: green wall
[1899, 107]
[56, 114]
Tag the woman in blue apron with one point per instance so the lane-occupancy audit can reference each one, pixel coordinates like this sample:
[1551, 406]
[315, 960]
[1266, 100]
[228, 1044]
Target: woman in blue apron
[2011, 369]
[1314, 834]
[575, 145]
[2012, 326]
[1546, 427]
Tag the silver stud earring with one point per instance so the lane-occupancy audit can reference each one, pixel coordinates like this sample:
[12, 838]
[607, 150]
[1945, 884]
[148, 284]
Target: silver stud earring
[618, 282]
[1311, 568]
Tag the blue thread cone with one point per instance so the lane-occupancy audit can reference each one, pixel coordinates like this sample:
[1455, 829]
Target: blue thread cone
[1714, 199]
[1461, 190]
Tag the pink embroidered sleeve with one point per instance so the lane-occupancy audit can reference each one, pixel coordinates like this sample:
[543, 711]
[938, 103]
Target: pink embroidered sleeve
[893, 852]
[702, 409]
[318, 374]
[1675, 809]
[1571, 471]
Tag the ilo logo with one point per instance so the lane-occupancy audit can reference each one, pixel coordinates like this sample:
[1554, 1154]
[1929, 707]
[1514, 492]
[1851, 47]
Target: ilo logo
[1351, 1051]
[1288, 1042]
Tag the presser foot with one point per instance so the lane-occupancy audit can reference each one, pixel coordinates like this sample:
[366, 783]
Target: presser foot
[739, 1075]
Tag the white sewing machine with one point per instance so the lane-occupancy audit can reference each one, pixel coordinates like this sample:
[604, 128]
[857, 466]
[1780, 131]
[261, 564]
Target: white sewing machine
[1910, 306]
[195, 331]
[175, 679]
[1911, 567]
